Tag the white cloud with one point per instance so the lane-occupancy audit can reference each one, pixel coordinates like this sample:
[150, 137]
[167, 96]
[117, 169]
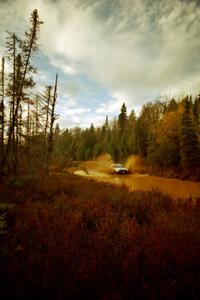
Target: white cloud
[70, 112]
[136, 49]
[67, 68]
[110, 107]
[76, 111]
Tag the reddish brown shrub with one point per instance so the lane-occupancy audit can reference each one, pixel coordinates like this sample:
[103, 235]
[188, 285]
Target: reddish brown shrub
[69, 238]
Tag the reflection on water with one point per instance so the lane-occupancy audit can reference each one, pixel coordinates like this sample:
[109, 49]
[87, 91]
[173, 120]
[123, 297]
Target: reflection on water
[91, 173]
[175, 187]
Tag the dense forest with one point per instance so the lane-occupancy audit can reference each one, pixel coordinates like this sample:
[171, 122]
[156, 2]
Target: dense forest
[166, 134]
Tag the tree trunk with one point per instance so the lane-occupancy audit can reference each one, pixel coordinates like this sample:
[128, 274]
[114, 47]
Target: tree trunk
[2, 117]
[52, 119]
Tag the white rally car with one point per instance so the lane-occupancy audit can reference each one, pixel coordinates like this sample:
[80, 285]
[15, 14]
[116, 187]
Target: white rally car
[119, 169]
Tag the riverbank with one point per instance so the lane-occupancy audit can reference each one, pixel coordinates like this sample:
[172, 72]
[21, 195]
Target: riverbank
[136, 163]
[68, 237]
[173, 173]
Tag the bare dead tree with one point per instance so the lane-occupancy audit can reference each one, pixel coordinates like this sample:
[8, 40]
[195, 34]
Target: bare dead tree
[20, 125]
[53, 117]
[47, 108]
[11, 45]
[36, 115]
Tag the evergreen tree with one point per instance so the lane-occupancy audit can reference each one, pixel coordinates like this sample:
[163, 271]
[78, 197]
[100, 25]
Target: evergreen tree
[196, 114]
[131, 145]
[141, 137]
[172, 105]
[189, 146]
[122, 118]
[90, 142]
[132, 119]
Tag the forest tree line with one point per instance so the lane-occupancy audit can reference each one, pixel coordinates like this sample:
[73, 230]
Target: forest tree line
[166, 134]
[26, 117]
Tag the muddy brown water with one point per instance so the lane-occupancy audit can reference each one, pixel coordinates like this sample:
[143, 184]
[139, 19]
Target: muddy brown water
[175, 187]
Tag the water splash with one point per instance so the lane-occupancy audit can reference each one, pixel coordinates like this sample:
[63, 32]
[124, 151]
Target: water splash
[135, 164]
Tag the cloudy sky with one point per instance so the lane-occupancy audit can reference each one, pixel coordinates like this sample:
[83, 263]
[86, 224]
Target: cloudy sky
[107, 52]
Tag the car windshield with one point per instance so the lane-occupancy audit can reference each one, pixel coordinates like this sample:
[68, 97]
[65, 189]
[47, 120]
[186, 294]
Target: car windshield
[118, 166]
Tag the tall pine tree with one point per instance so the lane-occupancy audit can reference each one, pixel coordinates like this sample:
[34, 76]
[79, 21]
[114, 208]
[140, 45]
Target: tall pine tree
[122, 118]
[189, 146]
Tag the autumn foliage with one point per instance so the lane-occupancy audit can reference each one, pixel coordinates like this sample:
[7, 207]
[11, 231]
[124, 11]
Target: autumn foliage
[73, 238]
